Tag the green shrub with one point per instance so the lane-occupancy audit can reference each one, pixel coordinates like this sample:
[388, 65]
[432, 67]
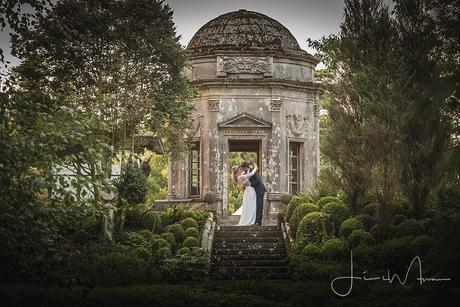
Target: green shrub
[298, 214]
[132, 184]
[134, 217]
[192, 232]
[410, 227]
[177, 231]
[189, 222]
[432, 213]
[367, 220]
[349, 225]
[398, 253]
[183, 251]
[132, 240]
[151, 221]
[115, 269]
[326, 200]
[311, 251]
[146, 234]
[141, 252]
[159, 243]
[170, 238]
[302, 267]
[190, 242]
[193, 265]
[164, 252]
[333, 249]
[372, 209]
[293, 204]
[338, 212]
[421, 244]
[314, 228]
[360, 237]
[398, 219]
[448, 196]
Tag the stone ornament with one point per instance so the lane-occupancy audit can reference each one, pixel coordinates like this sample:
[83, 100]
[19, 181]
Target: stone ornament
[213, 105]
[244, 64]
[108, 196]
[296, 124]
[275, 105]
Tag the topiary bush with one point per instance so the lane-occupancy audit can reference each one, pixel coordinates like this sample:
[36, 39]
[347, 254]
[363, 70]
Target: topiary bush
[409, 227]
[360, 237]
[183, 251]
[326, 200]
[192, 232]
[314, 228]
[132, 184]
[293, 204]
[367, 220]
[159, 243]
[134, 217]
[349, 225]
[177, 230]
[190, 242]
[311, 251]
[189, 222]
[333, 249]
[164, 252]
[298, 214]
[371, 209]
[146, 234]
[398, 219]
[193, 265]
[171, 240]
[151, 220]
[338, 212]
[421, 244]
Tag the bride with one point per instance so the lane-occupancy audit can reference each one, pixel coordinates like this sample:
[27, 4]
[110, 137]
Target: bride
[248, 208]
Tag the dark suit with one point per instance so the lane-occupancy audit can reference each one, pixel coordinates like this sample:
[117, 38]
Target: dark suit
[258, 185]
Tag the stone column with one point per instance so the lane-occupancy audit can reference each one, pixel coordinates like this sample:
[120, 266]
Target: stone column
[214, 153]
[316, 109]
[274, 157]
[171, 185]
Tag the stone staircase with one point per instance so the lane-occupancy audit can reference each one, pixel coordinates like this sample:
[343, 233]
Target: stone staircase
[248, 252]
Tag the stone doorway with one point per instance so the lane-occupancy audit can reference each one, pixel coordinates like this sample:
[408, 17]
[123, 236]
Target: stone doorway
[239, 150]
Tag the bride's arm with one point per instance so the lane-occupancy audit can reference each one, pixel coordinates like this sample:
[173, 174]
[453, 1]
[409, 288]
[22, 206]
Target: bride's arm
[247, 176]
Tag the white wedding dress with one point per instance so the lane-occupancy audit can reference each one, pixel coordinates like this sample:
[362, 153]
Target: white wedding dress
[248, 208]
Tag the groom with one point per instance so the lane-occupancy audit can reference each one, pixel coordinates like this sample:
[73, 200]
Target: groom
[257, 184]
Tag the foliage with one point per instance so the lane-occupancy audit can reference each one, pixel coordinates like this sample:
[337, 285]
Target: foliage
[194, 265]
[360, 237]
[132, 184]
[152, 221]
[410, 227]
[398, 219]
[183, 250]
[293, 204]
[298, 214]
[190, 242]
[160, 243]
[177, 231]
[333, 249]
[326, 200]
[311, 251]
[349, 225]
[338, 212]
[372, 209]
[189, 222]
[314, 228]
[367, 220]
[171, 240]
[191, 232]
[164, 252]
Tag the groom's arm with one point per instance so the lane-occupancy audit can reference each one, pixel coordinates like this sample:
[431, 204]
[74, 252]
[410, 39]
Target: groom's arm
[256, 180]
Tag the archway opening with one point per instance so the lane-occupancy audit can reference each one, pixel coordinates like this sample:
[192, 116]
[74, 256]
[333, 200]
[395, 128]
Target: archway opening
[239, 151]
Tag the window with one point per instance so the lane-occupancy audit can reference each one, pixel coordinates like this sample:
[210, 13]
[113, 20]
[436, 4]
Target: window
[195, 170]
[294, 168]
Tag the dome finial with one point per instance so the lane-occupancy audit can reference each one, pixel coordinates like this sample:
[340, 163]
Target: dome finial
[242, 10]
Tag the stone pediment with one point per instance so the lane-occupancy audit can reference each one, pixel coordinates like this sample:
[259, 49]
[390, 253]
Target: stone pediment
[245, 120]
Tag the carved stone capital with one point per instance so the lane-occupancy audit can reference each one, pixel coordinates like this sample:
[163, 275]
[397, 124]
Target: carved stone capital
[213, 105]
[244, 65]
[275, 105]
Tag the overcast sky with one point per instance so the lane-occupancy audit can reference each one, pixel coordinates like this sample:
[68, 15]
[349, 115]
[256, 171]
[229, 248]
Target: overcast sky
[304, 18]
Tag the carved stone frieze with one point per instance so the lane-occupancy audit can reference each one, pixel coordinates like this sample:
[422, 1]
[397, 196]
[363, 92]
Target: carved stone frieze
[213, 105]
[275, 105]
[244, 64]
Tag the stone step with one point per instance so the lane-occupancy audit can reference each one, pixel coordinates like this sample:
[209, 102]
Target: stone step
[248, 270]
[246, 228]
[245, 251]
[251, 276]
[248, 233]
[249, 245]
[250, 257]
[252, 263]
[248, 240]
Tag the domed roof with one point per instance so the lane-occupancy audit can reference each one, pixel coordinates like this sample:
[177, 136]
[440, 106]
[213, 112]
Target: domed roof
[246, 32]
